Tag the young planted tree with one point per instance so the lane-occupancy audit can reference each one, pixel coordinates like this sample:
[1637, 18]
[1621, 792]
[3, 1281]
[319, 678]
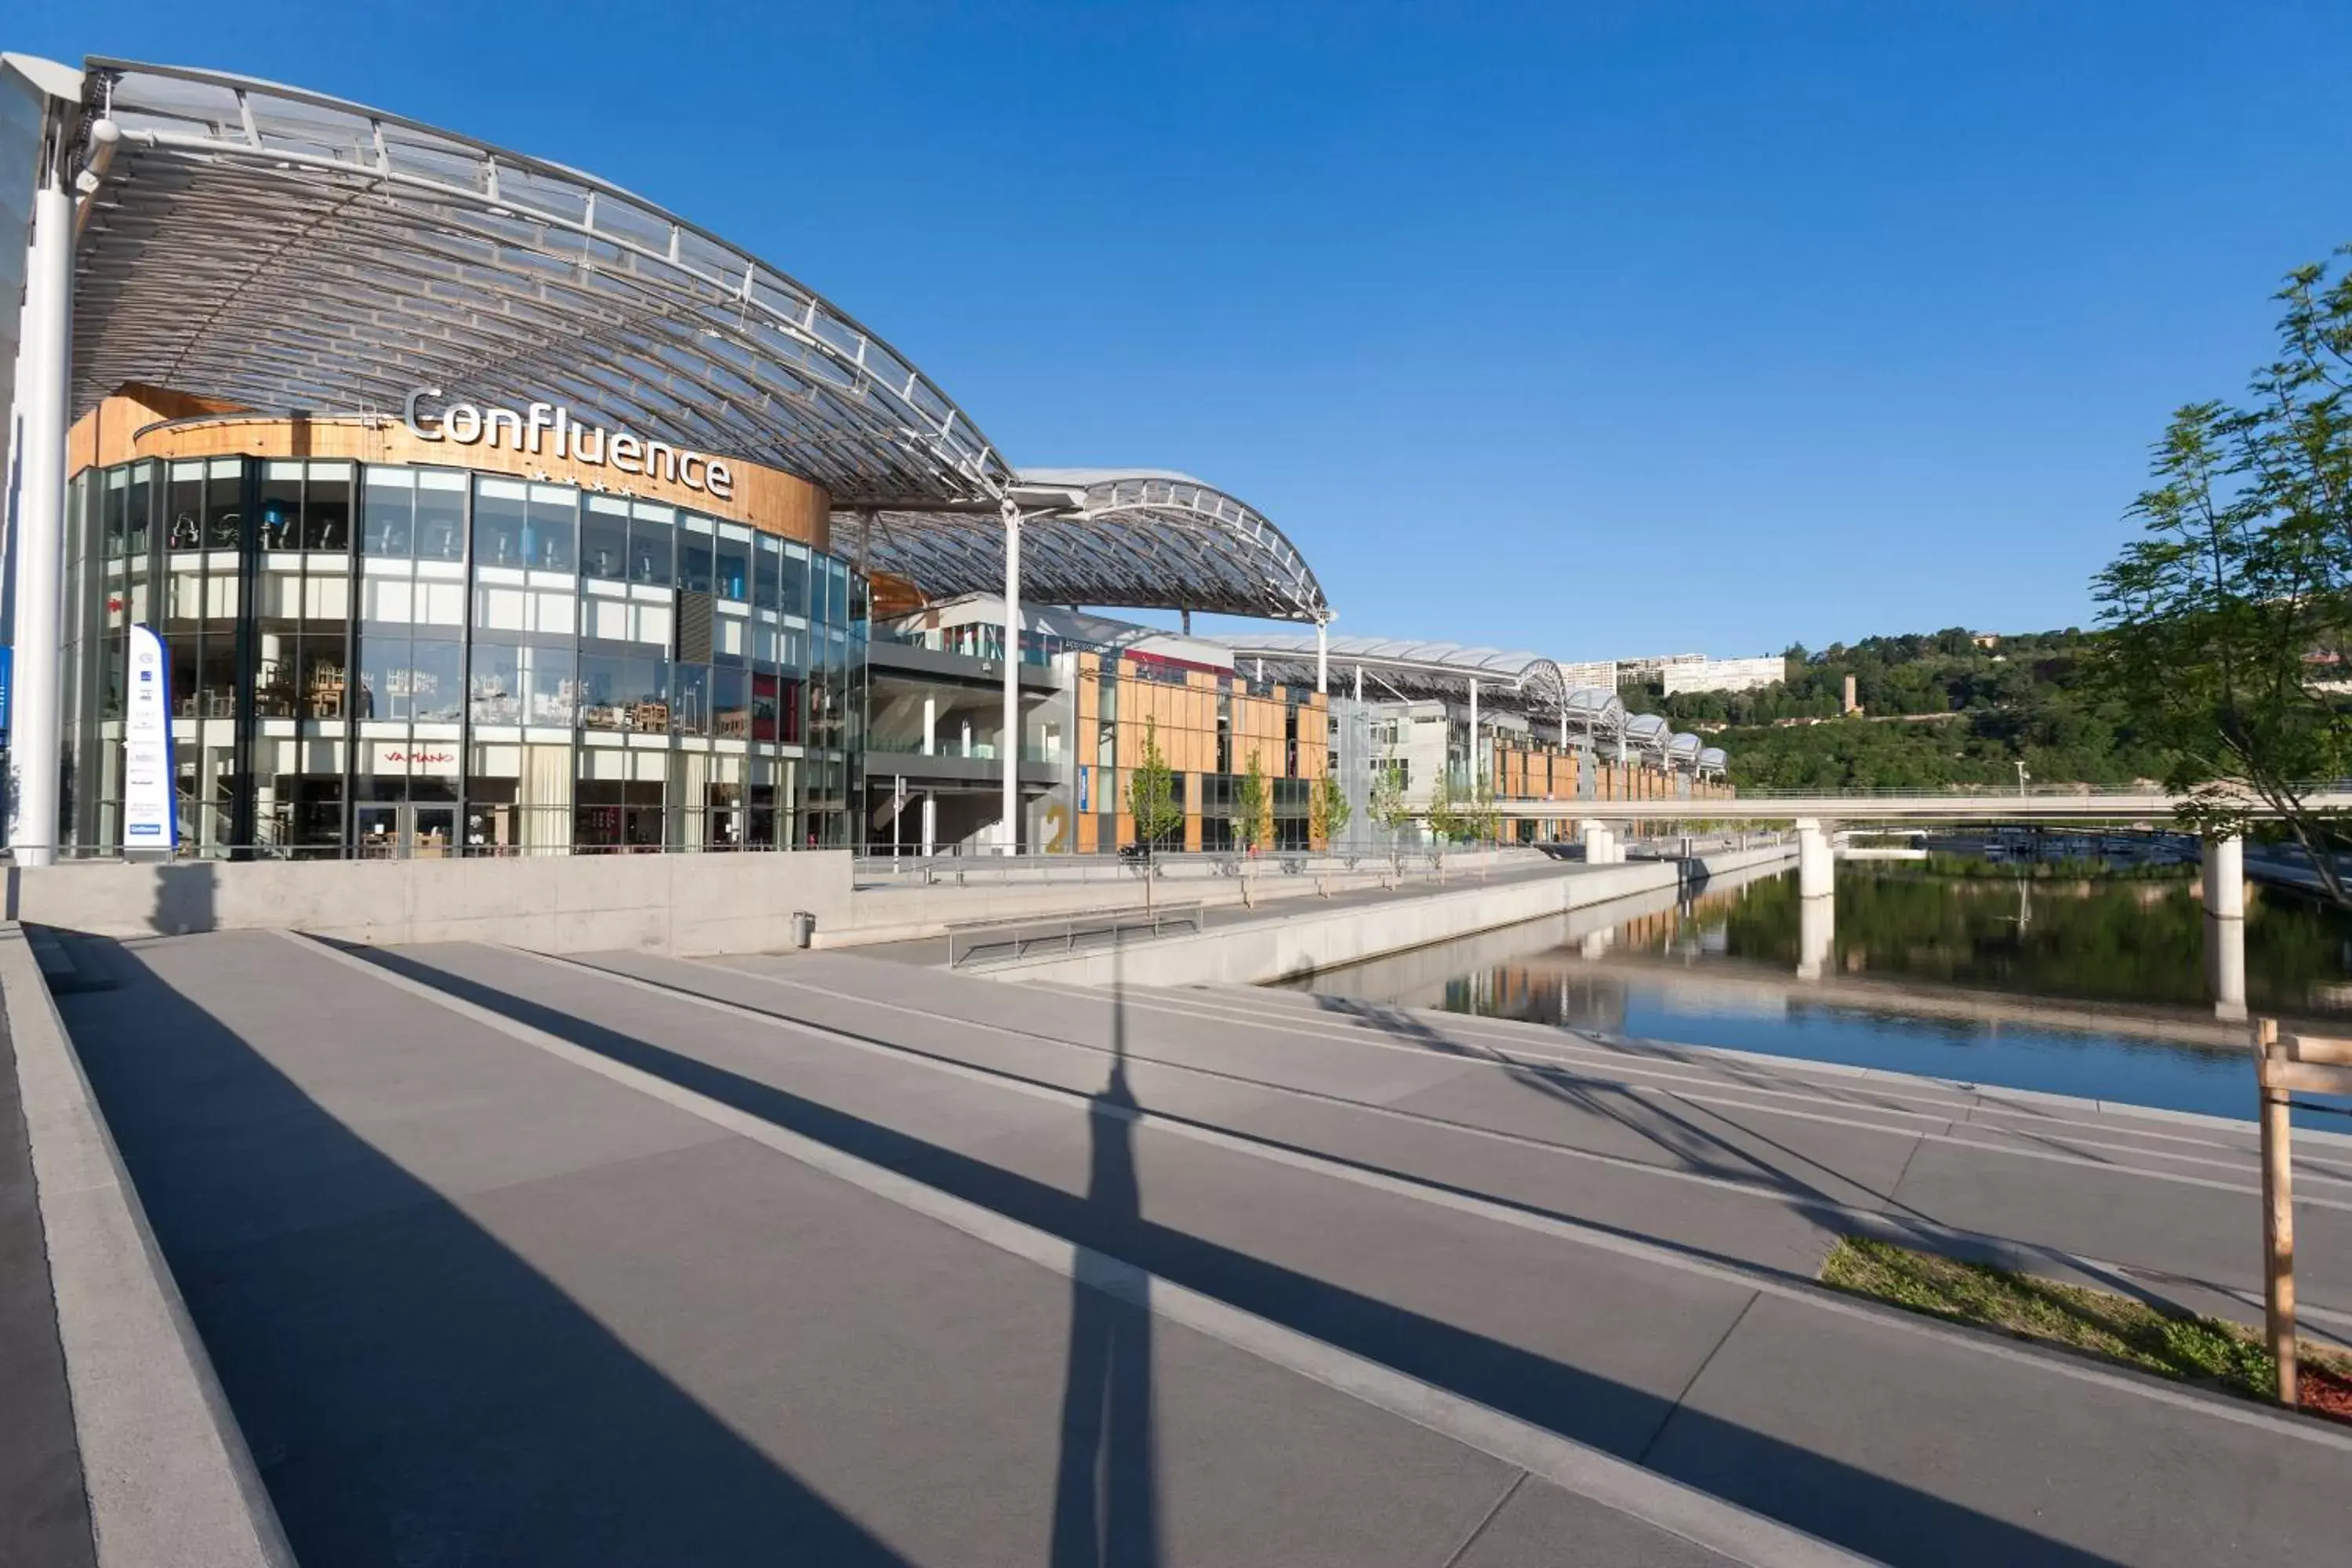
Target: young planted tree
[1447, 820]
[1389, 811]
[2228, 623]
[1328, 811]
[1151, 801]
[1254, 808]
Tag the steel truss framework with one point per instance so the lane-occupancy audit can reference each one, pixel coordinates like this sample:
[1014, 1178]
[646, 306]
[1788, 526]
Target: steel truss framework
[286, 251]
[1524, 682]
[1139, 540]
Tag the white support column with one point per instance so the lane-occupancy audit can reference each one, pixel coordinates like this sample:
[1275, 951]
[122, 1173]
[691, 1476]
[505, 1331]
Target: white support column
[41, 395]
[1322, 655]
[1816, 867]
[1474, 737]
[1008, 748]
[2225, 926]
[930, 822]
[2225, 879]
[1359, 683]
[930, 726]
[1816, 934]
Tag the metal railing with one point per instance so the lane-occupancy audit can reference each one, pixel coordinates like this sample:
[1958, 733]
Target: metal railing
[1018, 938]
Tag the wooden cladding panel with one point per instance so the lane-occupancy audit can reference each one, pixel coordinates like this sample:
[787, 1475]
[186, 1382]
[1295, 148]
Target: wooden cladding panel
[767, 499]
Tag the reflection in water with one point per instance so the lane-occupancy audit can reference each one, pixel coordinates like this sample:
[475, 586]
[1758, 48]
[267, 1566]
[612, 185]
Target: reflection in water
[2091, 985]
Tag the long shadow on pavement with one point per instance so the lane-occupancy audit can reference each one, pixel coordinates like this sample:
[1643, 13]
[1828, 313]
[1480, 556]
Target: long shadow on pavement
[1105, 1503]
[414, 1391]
[1897, 1523]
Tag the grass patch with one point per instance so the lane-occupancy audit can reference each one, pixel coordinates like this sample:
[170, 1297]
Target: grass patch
[2207, 1351]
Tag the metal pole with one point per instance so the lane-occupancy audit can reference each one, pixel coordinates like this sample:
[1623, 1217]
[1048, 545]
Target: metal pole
[41, 395]
[1009, 832]
[1322, 655]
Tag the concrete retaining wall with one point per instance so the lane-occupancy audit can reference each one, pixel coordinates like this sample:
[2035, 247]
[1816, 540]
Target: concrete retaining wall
[164, 1464]
[904, 913]
[1305, 941]
[675, 903]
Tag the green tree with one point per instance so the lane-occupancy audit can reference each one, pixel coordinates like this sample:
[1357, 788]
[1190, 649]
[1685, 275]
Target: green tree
[1152, 795]
[1254, 808]
[1328, 811]
[1447, 819]
[2228, 620]
[1387, 807]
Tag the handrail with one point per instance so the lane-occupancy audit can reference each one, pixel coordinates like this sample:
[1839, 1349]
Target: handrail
[1093, 923]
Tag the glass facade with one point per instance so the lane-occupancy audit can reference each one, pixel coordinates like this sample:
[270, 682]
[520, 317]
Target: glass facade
[374, 659]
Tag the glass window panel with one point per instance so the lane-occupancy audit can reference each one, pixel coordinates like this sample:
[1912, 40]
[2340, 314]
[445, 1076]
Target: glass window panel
[117, 494]
[274, 690]
[604, 539]
[554, 510]
[320, 678]
[690, 703]
[440, 515]
[603, 680]
[383, 676]
[139, 520]
[652, 532]
[763, 707]
[434, 670]
[795, 580]
[733, 580]
[225, 504]
[494, 686]
[389, 504]
[647, 689]
[730, 710]
[184, 508]
[501, 513]
[767, 586]
[694, 555]
[281, 506]
[216, 678]
[327, 508]
[549, 685]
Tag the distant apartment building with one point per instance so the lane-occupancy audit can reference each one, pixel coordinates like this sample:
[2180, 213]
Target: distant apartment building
[1691, 672]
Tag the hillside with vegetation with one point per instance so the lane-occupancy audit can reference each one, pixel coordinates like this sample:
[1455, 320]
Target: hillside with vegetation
[1939, 709]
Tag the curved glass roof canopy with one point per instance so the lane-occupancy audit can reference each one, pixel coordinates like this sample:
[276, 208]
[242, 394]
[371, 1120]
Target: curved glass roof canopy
[282, 251]
[1142, 539]
[1419, 669]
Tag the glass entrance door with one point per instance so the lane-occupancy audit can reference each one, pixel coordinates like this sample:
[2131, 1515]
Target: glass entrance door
[400, 830]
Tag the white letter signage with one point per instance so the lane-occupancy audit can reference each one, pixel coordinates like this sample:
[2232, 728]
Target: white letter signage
[547, 425]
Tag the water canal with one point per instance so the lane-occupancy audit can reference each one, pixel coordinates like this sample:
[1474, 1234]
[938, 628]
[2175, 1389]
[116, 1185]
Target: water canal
[2085, 978]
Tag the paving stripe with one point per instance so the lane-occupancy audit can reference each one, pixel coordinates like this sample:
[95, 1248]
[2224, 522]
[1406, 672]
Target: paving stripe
[1861, 1219]
[1695, 1516]
[1733, 1092]
[2252, 1189]
[1576, 1232]
[2038, 1106]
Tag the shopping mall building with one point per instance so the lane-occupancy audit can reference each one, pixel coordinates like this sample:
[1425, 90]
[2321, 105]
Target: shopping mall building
[483, 507]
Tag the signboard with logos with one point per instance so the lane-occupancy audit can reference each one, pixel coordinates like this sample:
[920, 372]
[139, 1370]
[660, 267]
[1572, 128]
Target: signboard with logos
[150, 820]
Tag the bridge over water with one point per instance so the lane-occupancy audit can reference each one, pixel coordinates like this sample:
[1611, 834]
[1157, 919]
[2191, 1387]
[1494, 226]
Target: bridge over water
[2051, 804]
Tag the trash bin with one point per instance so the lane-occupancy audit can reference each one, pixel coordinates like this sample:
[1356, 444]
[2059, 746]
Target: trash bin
[804, 927]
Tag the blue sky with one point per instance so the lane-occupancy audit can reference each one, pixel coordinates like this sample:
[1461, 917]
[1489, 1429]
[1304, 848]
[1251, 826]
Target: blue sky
[1598, 329]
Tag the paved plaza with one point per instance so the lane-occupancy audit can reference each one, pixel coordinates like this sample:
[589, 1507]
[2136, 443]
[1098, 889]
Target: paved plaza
[824, 1259]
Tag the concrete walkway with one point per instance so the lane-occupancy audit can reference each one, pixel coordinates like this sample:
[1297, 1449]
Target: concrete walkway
[44, 1515]
[509, 1258]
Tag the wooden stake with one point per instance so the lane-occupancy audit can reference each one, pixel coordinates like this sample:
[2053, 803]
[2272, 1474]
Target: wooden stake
[2278, 1214]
